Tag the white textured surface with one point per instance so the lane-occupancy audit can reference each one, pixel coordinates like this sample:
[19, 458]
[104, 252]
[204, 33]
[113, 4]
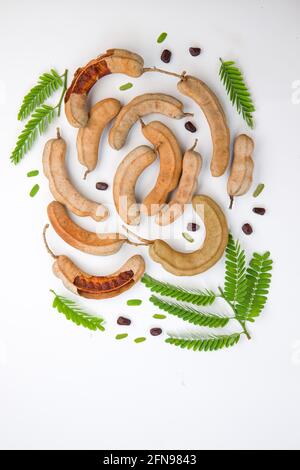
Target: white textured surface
[64, 387]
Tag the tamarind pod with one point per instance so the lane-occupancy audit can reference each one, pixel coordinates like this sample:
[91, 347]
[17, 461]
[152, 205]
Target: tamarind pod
[99, 244]
[241, 174]
[113, 61]
[170, 156]
[88, 137]
[139, 107]
[125, 180]
[99, 287]
[199, 261]
[211, 107]
[191, 167]
[61, 187]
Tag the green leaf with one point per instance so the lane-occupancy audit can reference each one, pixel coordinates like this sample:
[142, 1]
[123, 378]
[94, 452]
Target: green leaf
[190, 314]
[126, 86]
[188, 237]
[47, 84]
[258, 277]
[210, 343]
[196, 297]
[38, 124]
[162, 37]
[259, 190]
[74, 313]
[235, 272]
[140, 340]
[32, 173]
[34, 190]
[122, 336]
[158, 316]
[134, 302]
[237, 90]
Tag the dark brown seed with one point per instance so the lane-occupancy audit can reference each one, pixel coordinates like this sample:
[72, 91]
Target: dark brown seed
[101, 186]
[190, 126]
[194, 51]
[192, 227]
[247, 229]
[166, 56]
[123, 321]
[259, 210]
[156, 331]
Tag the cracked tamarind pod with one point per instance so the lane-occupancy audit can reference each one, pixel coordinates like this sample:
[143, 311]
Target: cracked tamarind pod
[96, 287]
[241, 174]
[139, 107]
[113, 61]
[61, 187]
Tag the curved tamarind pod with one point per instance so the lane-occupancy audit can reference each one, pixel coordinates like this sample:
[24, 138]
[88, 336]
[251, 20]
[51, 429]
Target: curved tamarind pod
[113, 61]
[191, 167]
[97, 287]
[88, 137]
[125, 180]
[61, 187]
[103, 244]
[199, 261]
[170, 156]
[141, 106]
[210, 105]
[241, 175]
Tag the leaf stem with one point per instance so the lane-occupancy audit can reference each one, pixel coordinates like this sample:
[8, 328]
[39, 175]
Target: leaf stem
[58, 106]
[242, 323]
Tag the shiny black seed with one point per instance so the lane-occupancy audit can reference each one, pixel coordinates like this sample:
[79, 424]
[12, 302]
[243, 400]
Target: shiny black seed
[190, 126]
[101, 186]
[259, 210]
[166, 56]
[247, 229]
[194, 51]
[192, 227]
[123, 321]
[156, 331]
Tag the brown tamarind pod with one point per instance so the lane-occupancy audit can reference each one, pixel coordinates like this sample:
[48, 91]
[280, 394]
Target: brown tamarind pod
[99, 244]
[241, 174]
[214, 113]
[96, 287]
[113, 61]
[61, 187]
[89, 137]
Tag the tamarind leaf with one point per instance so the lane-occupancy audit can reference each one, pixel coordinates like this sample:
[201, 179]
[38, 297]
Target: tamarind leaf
[38, 124]
[196, 297]
[74, 313]
[161, 37]
[210, 343]
[235, 272]
[190, 314]
[47, 84]
[236, 88]
[258, 276]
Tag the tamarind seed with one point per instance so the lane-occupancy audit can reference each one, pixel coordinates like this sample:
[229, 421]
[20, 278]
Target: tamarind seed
[259, 210]
[123, 321]
[247, 229]
[101, 186]
[156, 331]
[166, 56]
[194, 51]
[192, 227]
[190, 126]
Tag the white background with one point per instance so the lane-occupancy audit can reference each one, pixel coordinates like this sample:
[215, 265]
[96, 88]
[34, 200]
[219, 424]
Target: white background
[64, 387]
